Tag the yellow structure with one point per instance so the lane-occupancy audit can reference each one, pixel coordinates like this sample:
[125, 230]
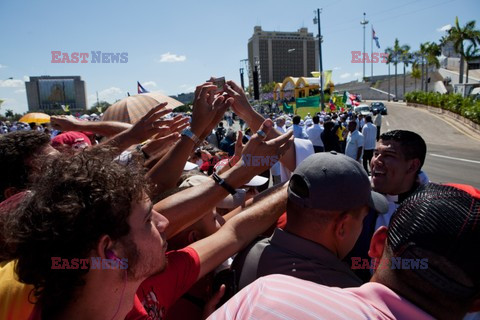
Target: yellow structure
[302, 86]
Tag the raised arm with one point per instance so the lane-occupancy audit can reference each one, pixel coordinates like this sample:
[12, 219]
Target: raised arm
[239, 231]
[244, 110]
[104, 128]
[207, 111]
[188, 206]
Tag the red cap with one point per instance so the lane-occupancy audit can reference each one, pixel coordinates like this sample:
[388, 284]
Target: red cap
[72, 139]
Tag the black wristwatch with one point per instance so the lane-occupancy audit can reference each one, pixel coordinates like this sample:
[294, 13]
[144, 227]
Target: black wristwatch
[223, 184]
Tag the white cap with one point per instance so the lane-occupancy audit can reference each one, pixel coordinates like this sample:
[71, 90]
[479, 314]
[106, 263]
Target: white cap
[190, 166]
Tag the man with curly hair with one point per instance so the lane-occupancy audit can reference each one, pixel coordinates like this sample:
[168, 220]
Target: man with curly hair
[86, 208]
[18, 151]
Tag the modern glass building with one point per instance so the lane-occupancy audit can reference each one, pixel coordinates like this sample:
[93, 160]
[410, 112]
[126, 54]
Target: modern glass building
[51, 92]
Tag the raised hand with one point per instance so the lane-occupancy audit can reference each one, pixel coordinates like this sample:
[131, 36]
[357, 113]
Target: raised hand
[220, 105]
[64, 123]
[203, 110]
[161, 143]
[259, 153]
[240, 104]
[149, 125]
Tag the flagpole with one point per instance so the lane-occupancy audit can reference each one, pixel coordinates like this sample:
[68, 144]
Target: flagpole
[363, 22]
[371, 51]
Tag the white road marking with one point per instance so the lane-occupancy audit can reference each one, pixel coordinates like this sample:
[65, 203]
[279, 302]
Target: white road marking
[388, 124]
[452, 158]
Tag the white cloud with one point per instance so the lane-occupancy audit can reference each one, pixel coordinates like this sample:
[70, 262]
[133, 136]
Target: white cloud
[26, 78]
[337, 68]
[171, 57]
[149, 84]
[110, 94]
[20, 91]
[345, 75]
[357, 74]
[444, 28]
[11, 83]
[2, 66]
[187, 88]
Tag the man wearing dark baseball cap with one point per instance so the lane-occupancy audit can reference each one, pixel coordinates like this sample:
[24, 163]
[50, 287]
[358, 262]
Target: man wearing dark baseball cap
[329, 194]
[438, 224]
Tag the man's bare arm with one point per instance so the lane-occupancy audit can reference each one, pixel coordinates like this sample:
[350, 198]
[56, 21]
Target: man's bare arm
[103, 128]
[188, 206]
[239, 231]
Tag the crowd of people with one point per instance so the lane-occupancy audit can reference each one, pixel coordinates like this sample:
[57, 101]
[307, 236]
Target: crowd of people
[174, 217]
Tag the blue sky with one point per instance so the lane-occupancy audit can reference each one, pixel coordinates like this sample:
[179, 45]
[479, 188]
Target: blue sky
[174, 46]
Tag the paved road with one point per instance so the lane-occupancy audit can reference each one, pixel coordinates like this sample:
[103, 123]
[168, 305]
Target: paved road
[452, 156]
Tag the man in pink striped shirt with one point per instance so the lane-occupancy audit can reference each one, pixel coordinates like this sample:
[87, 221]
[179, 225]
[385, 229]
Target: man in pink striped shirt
[447, 288]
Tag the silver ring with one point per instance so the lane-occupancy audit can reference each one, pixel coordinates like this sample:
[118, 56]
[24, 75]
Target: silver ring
[153, 125]
[261, 133]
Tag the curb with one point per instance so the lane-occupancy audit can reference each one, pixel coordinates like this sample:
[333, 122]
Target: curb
[459, 122]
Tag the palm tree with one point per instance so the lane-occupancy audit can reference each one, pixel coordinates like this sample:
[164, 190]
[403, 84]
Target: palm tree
[471, 53]
[416, 74]
[389, 53]
[395, 53]
[432, 52]
[458, 36]
[421, 54]
[405, 58]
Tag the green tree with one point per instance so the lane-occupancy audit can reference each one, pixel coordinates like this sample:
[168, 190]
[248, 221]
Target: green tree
[459, 36]
[422, 54]
[9, 113]
[396, 52]
[416, 74]
[471, 53]
[433, 50]
[406, 59]
[268, 88]
[99, 107]
[389, 51]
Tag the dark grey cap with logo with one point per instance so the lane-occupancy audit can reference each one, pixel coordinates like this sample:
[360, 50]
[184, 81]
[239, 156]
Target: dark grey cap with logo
[334, 182]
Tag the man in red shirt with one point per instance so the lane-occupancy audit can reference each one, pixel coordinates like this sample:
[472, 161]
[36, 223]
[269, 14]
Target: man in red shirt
[87, 208]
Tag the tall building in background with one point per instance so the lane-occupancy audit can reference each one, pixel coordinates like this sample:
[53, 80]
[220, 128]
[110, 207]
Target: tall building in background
[51, 92]
[278, 55]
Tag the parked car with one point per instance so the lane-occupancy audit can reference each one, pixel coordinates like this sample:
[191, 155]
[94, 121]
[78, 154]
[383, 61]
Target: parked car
[363, 109]
[378, 107]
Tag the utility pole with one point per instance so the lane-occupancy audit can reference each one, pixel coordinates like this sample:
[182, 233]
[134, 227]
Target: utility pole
[242, 63]
[316, 20]
[364, 23]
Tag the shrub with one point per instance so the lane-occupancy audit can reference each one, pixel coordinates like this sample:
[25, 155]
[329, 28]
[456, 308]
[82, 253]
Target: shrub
[466, 107]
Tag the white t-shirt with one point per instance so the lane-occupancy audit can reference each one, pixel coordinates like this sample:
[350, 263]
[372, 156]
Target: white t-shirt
[378, 120]
[369, 132]
[314, 133]
[355, 140]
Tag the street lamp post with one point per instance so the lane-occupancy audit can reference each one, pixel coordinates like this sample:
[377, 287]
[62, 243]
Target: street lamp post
[364, 23]
[242, 63]
[316, 20]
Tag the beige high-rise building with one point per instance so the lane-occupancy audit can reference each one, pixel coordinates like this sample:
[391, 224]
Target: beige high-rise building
[281, 54]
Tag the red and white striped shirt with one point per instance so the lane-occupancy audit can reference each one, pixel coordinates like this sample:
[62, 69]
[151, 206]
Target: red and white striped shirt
[284, 297]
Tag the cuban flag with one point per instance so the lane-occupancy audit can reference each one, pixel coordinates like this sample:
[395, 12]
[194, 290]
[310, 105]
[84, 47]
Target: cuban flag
[374, 37]
[141, 89]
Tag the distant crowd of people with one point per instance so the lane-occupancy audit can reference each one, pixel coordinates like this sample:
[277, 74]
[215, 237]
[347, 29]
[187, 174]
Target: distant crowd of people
[182, 217]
